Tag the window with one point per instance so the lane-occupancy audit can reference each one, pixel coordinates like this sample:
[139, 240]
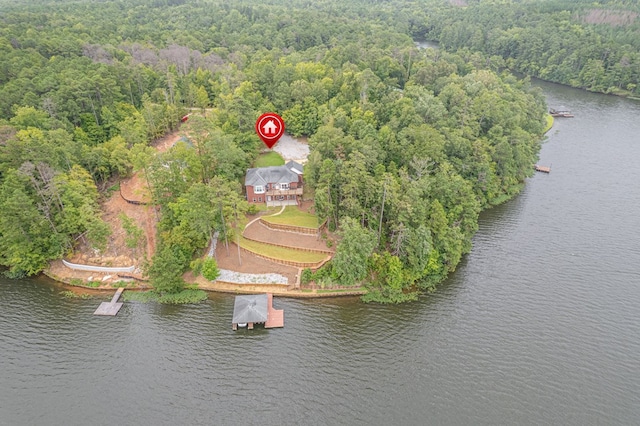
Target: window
[258, 189]
[254, 199]
[284, 186]
[259, 199]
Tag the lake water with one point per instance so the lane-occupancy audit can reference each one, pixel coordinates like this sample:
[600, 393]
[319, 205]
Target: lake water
[540, 324]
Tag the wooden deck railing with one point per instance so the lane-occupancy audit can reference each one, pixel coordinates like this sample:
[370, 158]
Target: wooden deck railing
[289, 228]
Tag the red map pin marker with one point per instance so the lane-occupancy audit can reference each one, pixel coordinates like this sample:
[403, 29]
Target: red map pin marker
[270, 127]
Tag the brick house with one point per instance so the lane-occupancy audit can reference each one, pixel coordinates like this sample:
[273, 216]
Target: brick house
[275, 185]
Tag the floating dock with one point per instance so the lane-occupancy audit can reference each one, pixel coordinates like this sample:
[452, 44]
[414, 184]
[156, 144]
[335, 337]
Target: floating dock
[110, 308]
[543, 169]
[256, 309]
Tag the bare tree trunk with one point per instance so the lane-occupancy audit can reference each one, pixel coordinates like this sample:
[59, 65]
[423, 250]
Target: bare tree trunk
[224, 227]
[384, 194]
[238, 235]
[95, 114]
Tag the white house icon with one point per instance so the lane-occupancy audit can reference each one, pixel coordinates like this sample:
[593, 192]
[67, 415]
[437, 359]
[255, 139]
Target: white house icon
[270, 128]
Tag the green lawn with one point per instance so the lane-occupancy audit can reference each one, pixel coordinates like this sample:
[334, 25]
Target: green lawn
[269, 159]
[281, 252]
[549, 123]
[294, 217]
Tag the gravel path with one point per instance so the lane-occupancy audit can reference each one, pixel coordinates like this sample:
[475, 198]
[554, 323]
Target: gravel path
[292, 149]
[241, 278]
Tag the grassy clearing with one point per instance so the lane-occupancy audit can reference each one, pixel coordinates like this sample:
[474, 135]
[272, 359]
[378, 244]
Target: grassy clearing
[269, 159]
[549, 123]
[281, 252]
[294, 217]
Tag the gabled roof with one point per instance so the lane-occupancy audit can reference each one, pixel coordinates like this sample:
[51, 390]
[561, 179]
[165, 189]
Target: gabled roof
[251, 308]
[295, 167]
[273, 174]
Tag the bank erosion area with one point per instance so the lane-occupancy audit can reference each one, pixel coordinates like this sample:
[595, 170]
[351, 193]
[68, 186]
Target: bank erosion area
[129, 158]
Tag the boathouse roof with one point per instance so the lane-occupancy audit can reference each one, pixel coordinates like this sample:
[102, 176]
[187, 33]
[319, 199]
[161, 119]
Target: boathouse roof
[250, 309]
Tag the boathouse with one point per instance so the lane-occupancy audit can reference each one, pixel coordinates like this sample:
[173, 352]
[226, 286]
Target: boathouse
[256, 309]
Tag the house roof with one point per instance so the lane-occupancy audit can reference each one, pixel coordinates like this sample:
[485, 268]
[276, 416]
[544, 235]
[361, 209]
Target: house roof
[251, 308]
[295, 167]
[274, 174]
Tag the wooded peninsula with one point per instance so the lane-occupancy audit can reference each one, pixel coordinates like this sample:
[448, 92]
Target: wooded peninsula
[407, 145]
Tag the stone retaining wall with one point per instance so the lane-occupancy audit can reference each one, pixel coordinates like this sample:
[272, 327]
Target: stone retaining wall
[93, 268]
[284, 286]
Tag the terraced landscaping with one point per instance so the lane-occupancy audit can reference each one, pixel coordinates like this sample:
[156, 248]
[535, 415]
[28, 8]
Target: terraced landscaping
[281, 253]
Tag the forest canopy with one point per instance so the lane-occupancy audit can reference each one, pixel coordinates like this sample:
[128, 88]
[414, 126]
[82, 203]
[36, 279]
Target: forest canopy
[591, 45]
[407, 145]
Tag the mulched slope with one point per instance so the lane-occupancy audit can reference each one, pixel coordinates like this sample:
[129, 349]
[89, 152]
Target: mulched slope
[251, 264]
[260, 232]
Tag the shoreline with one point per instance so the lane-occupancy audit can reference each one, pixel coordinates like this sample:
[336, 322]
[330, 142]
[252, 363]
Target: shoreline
[215, 287]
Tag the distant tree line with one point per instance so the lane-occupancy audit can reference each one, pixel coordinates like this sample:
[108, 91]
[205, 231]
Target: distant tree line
[595, 46]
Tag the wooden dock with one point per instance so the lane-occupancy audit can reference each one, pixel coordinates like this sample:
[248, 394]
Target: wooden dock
[275, 317]
[543, 169]
[110, 308]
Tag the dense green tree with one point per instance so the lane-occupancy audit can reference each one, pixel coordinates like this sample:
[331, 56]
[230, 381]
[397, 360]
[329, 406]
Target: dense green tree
[167, 266]
[355, 247]
[27, 238]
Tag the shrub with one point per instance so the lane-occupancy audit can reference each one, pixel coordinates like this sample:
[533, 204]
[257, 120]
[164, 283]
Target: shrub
[210, 269]
[14, 274]
[253, 209]
[196, 266]
[307, 276]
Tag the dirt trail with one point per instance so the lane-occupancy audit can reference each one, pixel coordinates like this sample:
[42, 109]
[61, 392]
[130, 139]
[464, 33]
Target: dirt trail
[143, 216]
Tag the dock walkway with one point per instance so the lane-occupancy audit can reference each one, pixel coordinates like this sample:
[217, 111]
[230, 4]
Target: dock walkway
[275, 317]
[110, 308]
